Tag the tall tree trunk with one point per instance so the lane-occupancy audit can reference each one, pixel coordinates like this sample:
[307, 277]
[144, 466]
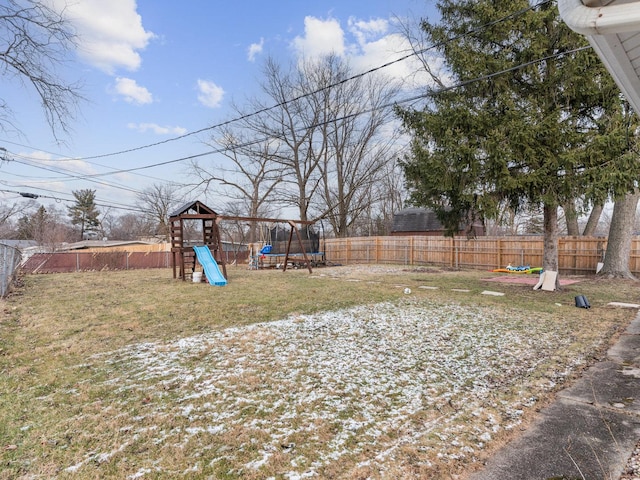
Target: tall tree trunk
[571, 218]
[594, 219]
[550, 242]
[616, 259]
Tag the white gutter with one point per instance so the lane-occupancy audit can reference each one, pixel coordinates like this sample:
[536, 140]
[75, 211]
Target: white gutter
[600, 20]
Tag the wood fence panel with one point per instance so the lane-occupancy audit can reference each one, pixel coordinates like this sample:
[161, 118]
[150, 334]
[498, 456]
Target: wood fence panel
[477, 254]
[517, 251]
[580, 255]
[576, 255]
[335, 250]
[432, 250]
[634, 258]
[396, 250]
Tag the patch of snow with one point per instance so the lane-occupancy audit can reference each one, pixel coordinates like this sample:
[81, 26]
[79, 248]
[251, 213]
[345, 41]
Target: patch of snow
[383, 377]
[140, 473]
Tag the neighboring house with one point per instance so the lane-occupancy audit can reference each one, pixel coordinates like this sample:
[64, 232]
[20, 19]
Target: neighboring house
[613, 29]
[421, 221]
[111, 245]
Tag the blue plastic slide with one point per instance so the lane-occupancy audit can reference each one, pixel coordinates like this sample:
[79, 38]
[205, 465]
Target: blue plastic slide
[210, 266]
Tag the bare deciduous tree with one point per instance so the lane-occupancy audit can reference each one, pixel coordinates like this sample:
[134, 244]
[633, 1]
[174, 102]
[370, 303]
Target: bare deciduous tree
[46, 226]
[7, 212]
[129, 226]
[34, 42]
[358, 146]
[390, 197]
[249, 183]
[293, 128]
[319, 143]
[157, 202]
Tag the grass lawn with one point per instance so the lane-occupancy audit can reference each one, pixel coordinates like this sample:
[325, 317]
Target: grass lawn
[338, 374]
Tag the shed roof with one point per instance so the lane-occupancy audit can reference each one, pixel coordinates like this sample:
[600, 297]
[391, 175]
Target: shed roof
[416, 220]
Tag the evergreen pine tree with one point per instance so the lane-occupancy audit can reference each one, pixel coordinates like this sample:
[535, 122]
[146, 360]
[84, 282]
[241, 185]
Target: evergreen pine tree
[535, 118]
[84, 211]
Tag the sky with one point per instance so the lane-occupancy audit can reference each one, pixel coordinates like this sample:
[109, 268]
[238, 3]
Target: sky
[153, 71]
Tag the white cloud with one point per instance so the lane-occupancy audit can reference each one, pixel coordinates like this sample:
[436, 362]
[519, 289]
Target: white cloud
[255, 49]
[365, 31]
[157, 129]
[321, 37]
[383, 50]
[365, 44]
[132, 92]
[71, 164]
[110, 33]
[210, 93]
[375, 45]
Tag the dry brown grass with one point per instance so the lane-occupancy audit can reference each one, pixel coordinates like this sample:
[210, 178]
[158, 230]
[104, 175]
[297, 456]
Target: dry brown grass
[119, 374]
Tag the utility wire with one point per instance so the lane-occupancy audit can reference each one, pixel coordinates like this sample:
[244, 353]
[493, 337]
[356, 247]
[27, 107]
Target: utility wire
[428, 94]
[74, 176]
[319, 90]
[58, 199]
[63, 159]
[41, 189]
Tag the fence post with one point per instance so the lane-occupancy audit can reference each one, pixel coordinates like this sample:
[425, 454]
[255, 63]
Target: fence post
[406, 253]
[411, 247]
[9, 262]
[346, 253]
[452, 251]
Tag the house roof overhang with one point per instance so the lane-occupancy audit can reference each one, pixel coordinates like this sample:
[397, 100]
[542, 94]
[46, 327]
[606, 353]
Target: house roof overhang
[613, 29]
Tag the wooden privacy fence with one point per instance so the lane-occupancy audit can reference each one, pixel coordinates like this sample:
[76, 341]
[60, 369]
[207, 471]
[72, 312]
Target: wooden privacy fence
[576, 255]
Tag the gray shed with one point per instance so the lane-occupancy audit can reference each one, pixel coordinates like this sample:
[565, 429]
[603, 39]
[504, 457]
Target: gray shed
[416, 221]
[422, 221]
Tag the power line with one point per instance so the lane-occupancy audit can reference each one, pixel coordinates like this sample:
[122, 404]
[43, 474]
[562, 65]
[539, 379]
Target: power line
[430, 93]
[63, 159]
[319, 90]
[58, 199]
[41, 189]
[74, 176]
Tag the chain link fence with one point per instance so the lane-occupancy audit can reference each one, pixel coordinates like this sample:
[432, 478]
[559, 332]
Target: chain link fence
[10, 258]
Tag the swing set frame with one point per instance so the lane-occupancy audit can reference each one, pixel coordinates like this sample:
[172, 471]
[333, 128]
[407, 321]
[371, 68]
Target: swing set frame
[183, 257]
[294, 229]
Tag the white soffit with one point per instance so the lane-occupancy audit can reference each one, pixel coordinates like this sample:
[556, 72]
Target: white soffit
[613, 29]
